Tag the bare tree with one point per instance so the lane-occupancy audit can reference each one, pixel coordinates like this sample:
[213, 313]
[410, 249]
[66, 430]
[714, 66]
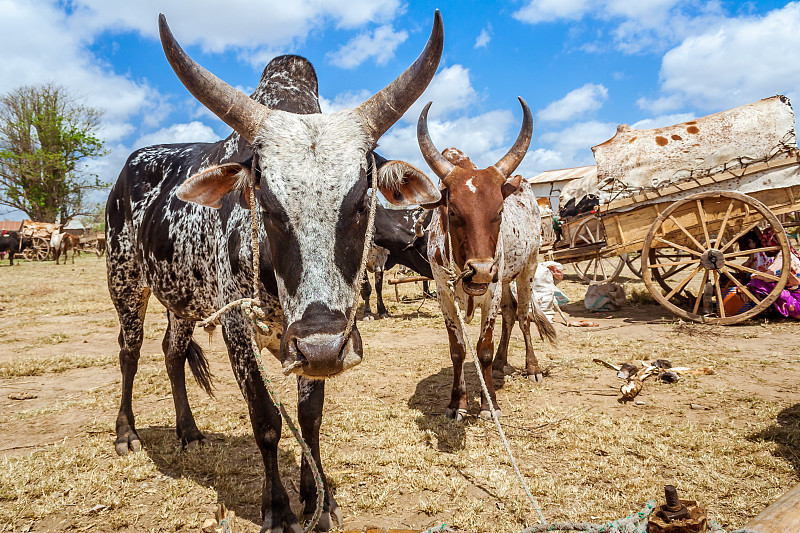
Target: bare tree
[45, 136]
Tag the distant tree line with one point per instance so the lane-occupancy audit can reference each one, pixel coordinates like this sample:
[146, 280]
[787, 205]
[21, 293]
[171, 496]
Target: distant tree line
[46, 136]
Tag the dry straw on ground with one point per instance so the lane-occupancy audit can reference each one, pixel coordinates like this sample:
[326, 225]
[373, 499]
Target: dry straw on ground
[391, 457]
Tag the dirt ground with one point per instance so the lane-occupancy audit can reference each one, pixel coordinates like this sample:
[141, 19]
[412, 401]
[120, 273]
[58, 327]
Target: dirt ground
[730, 440]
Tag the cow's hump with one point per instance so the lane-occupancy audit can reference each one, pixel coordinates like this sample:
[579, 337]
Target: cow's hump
[289, 83]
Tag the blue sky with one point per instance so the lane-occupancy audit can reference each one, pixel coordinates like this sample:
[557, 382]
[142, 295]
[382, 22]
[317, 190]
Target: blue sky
[583, 66]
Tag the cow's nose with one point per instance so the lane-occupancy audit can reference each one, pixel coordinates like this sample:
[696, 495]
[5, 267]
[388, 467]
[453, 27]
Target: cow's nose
[320, 351]
[322, 355]
[482, 271]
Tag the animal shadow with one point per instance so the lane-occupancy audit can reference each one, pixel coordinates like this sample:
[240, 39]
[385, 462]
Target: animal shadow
[230, 465]
[785, 432]
[431, 397]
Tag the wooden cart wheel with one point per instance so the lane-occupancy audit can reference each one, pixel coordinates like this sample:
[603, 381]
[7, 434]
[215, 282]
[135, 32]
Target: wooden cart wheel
[40, 248]
[705, 228]
[596, 269]
[634, 262]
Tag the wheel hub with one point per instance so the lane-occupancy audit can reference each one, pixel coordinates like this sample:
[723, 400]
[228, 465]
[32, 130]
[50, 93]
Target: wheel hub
[713, 259]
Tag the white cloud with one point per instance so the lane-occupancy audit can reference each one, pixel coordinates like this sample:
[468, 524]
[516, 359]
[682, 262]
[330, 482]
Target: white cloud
[537, 11]
[574, 143]
[663, 121]
[484, 138]
[178, 133]
[347, 100]
[379, 44]
[450, 91]
[242, 23]
[637, 26]
[732, 63]
[55, 52]
[483, 38]
[590, 97]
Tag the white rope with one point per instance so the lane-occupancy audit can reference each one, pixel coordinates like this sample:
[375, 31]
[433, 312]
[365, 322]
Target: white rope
[251, 307]
[452, 282]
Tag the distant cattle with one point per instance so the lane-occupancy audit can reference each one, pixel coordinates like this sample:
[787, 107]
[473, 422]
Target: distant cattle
[486, 229]
[12, 242]
[63, 242]
[188, 242]
[397, 244]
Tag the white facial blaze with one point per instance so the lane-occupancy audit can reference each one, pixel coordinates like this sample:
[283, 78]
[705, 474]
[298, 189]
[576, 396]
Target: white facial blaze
[471, 187]
[310, 163]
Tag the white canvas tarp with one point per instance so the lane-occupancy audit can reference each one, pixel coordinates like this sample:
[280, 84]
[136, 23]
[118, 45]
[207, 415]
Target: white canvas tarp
[637, 160]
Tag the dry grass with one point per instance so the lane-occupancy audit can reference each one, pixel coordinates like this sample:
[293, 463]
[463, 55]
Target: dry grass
[391, 457]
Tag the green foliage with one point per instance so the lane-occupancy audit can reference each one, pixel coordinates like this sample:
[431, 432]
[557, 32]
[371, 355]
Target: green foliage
[45, 136]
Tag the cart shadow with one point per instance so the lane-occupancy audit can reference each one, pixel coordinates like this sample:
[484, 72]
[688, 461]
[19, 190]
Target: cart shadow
[230, 465]
[785, 433]
[430, 398]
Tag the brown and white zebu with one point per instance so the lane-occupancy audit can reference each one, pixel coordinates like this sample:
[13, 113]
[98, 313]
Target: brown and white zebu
[494, 225]
[187, 242]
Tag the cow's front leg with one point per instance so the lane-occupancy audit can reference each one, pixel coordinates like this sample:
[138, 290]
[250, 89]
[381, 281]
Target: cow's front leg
[457, 408]
[382, 312]
[310, 400]
[266, 422]
[485, 351]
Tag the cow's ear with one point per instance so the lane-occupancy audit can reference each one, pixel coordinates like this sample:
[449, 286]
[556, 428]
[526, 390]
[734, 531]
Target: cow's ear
[442, 200]
[510, 186]
[210, 185]
[405, 185]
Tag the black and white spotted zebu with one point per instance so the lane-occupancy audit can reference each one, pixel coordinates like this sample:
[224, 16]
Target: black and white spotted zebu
[396, 243]
[177, 229]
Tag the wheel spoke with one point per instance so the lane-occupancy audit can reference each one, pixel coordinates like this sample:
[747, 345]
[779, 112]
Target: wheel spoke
[724, 223]
[742, 288]
[740, 234]
[584, 239]
[678, 246]
[700, 292]
[764, 275]
[701, 214]
[676, 263]
[602, 268]
[699, 246]
[683, 283]
[753, 251]
[718, 290]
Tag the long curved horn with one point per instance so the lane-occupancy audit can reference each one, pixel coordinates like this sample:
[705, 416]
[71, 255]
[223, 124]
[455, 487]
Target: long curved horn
[235, 108]
[513, 158]
[435, 160]
[387, 106]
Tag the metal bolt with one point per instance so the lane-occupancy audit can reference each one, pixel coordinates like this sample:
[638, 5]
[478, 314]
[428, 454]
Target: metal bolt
[673, 502]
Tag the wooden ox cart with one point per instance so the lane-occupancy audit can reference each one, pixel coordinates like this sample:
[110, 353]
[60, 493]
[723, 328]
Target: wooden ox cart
[685, 195]
[39, 234]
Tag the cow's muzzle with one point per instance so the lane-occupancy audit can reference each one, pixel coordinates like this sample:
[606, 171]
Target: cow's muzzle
[315, 347]
[476, 282]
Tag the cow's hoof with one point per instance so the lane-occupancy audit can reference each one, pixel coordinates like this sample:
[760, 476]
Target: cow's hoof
[536, 377]
[124, 446]
[508, 369]
[368, 318]
[456, 414]
[487, 415]
[384, 315]
[193, 445]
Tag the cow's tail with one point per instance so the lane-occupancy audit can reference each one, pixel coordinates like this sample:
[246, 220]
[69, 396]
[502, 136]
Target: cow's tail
[546, 329]
[199, 366]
